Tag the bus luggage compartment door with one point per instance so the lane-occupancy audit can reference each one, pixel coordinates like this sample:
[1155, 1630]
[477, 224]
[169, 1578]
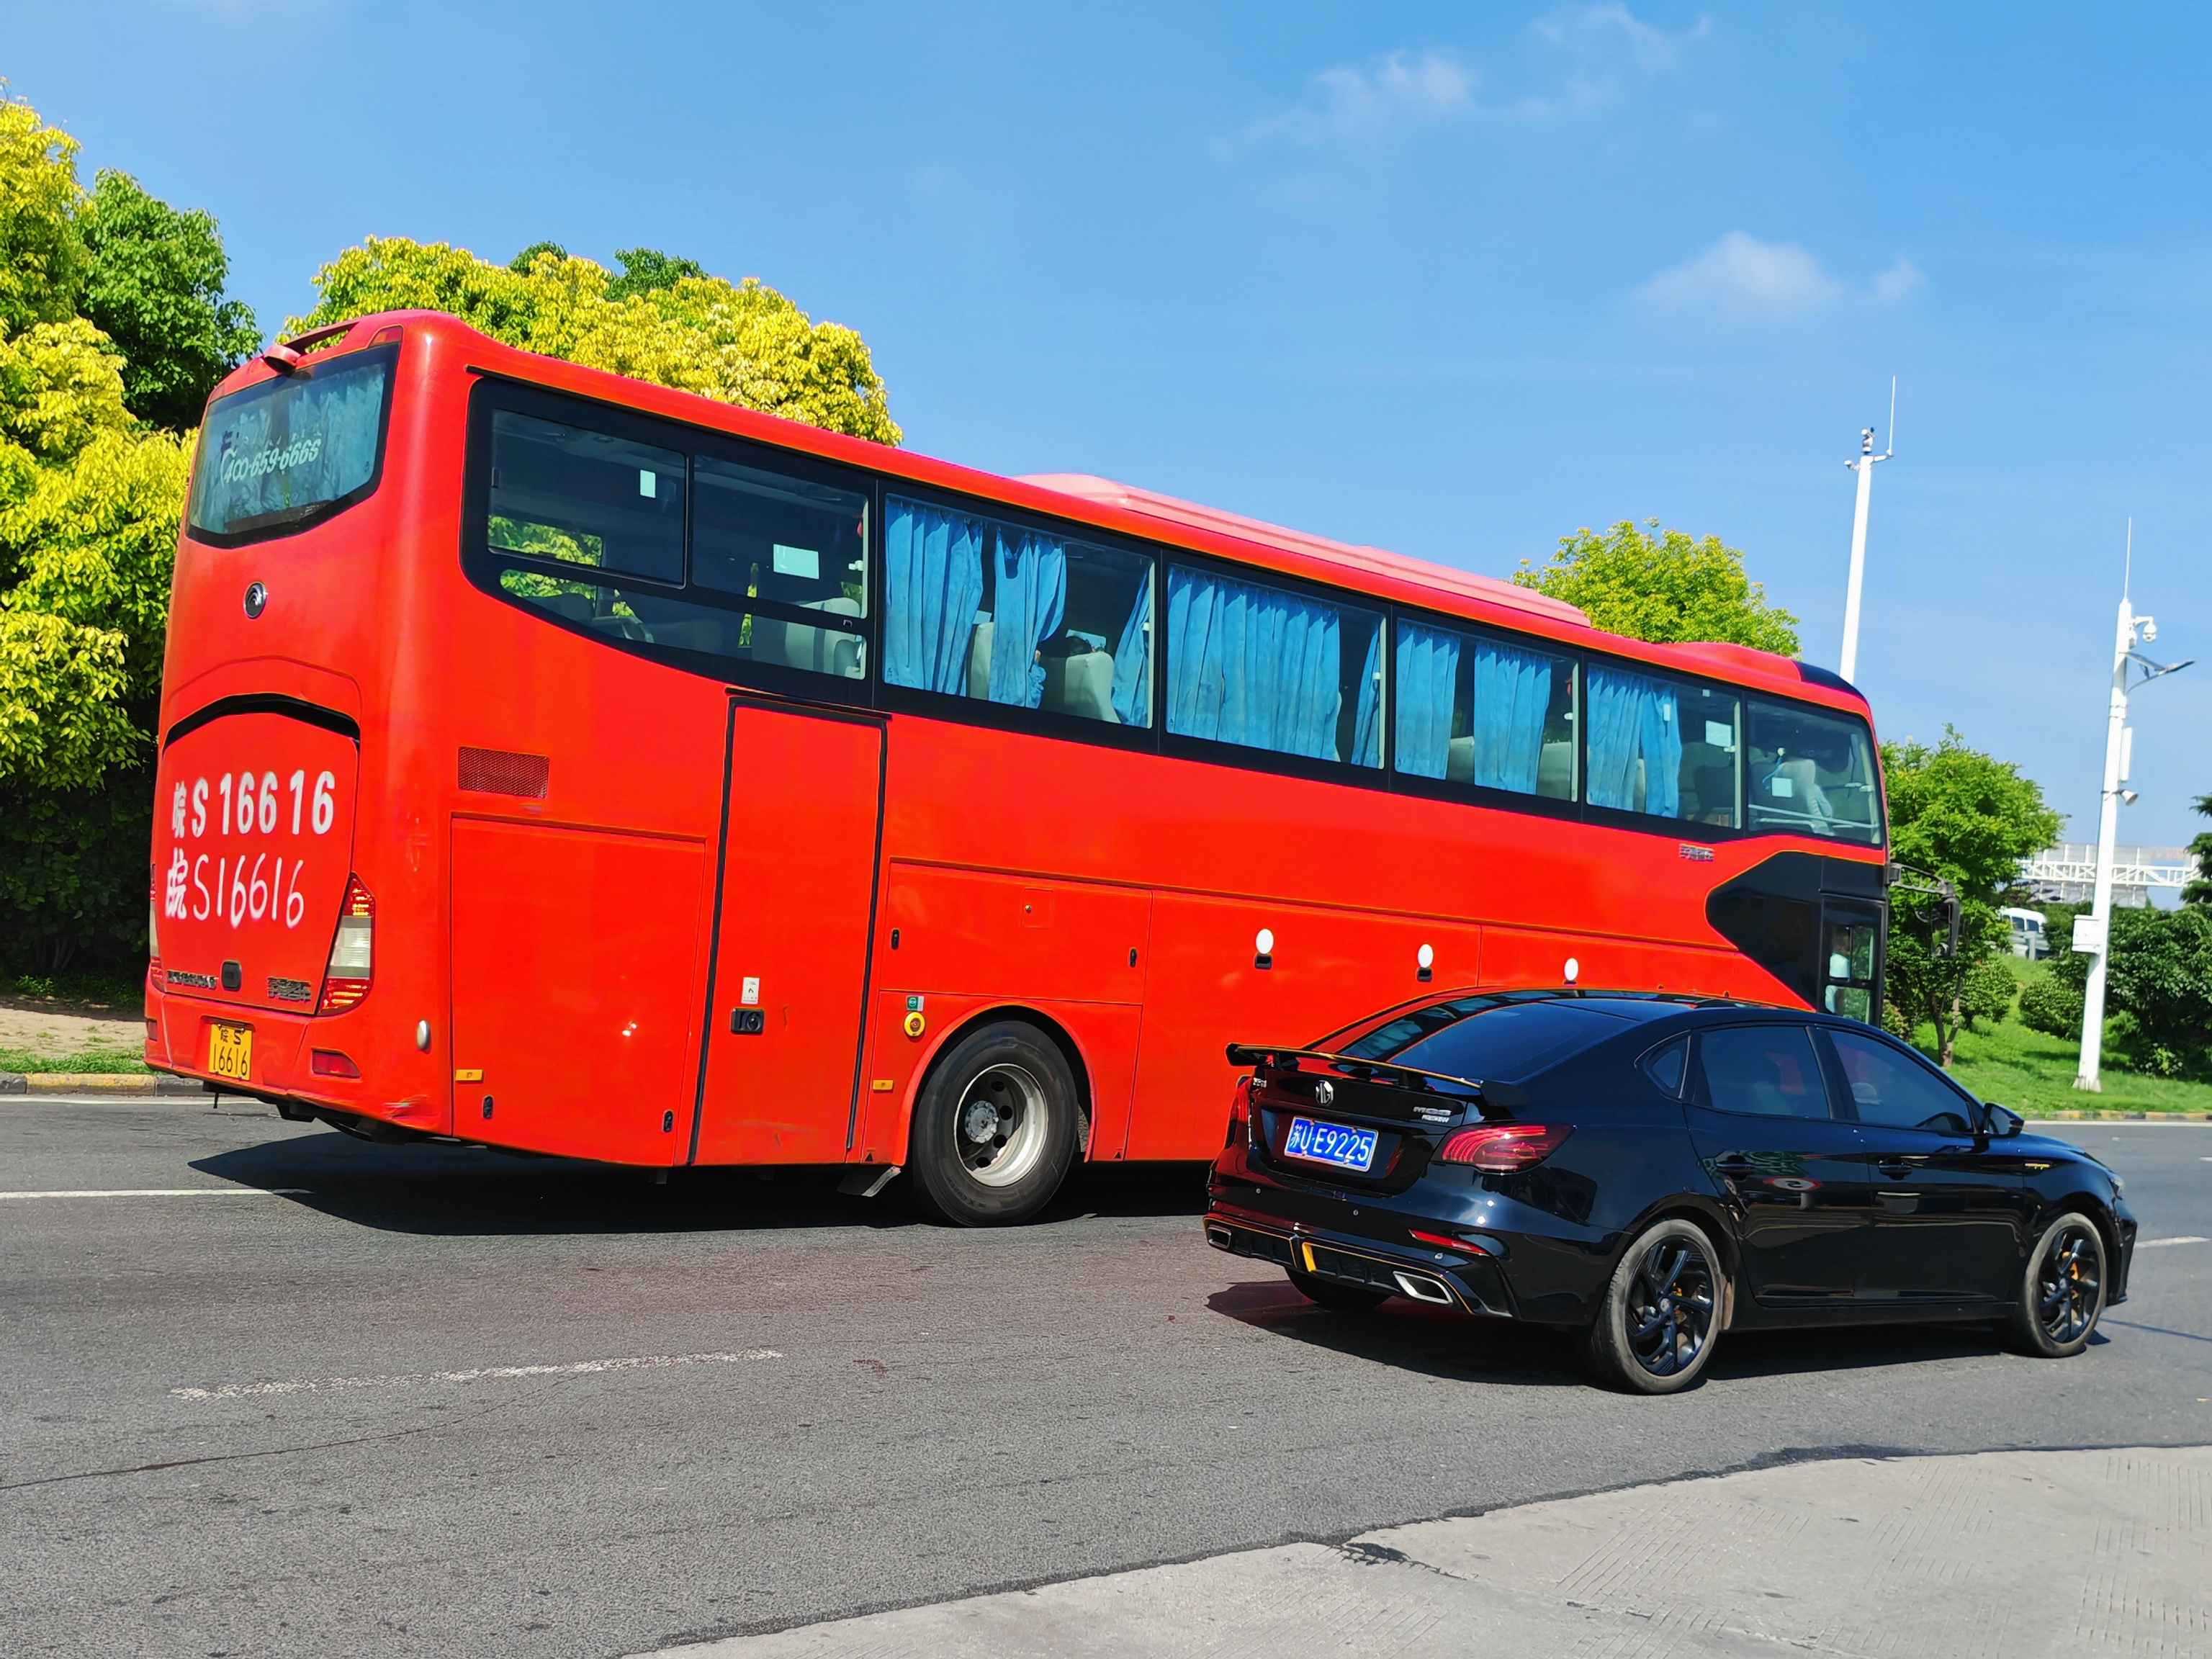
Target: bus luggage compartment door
[797, 892]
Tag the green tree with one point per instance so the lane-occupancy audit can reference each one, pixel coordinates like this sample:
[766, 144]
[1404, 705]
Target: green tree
[647, 270]
[156, 289]
[2158, 987]
[2199, 891]
[42, 257]
[1664, 586]
[89, 502]
[1962, 816]
[737, 342]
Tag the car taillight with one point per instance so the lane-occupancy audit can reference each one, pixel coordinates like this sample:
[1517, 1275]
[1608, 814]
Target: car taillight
[1237, 1107]
[353, 952]
[1502, 1146]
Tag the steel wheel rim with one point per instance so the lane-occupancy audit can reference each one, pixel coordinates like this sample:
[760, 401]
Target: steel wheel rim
[2068, 1284]
[1670, 1306]
[998, 1127]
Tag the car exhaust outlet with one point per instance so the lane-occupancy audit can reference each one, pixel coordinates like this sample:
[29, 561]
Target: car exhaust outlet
[1221, 1238]
[1422, 1288]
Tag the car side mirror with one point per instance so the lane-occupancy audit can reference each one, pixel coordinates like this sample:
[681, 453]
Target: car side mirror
[1999, 1121]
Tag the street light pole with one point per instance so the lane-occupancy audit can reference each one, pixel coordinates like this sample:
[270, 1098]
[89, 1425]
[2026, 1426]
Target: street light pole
[1864, 467]
[2092, 933]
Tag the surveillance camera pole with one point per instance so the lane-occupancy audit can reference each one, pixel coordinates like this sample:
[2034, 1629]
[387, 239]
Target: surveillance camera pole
[2096, 937]
[1864, 467]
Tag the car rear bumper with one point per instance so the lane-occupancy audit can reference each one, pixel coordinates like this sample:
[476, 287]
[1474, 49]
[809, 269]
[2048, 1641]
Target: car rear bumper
[1443, 1280]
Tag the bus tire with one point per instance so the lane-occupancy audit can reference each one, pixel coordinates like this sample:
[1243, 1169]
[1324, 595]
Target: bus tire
[995, 1129]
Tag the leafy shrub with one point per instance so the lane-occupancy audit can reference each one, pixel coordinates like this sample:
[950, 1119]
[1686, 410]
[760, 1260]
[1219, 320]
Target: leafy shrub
[2050, 1006]
[1986, 997]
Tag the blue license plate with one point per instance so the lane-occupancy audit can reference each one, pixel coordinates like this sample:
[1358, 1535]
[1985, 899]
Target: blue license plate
[1330, 1143]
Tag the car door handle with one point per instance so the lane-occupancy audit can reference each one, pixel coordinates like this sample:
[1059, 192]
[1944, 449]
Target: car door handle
[1896, 1168]
[1733, 1164]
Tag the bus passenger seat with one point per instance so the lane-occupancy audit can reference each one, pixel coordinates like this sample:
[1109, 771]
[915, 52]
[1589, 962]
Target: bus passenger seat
[1810, 800]
[979, 660]
[1555, 771]
[1081, 684]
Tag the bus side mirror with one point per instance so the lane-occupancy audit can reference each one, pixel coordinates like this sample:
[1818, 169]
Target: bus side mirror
[2000, 1122]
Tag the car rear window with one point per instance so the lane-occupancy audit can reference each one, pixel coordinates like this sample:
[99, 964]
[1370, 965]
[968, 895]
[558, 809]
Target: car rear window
[1499, 1038]
[289, 452]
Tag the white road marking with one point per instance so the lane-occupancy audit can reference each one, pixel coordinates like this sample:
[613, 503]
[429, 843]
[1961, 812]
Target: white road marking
[166, 1192]
[642, 1362]
[2154, 1243]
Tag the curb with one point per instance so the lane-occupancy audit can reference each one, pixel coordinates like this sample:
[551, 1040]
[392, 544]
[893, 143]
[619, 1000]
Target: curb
[2132, 1117]
[138, 1084]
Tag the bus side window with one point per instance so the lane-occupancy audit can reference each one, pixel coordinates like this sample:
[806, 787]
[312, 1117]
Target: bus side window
[1660, 747]
[791, 542]
[1009, 613]
[586, 498]
[1482, 712]
[1269, 668]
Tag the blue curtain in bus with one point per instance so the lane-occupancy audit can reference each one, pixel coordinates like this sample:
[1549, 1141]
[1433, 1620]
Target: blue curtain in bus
[1633, 719]
[1251, 664]
[1026, 609]
[1132, 660]
[1428, 675]
[1512, 692]
[1367, 719]
[934, 581]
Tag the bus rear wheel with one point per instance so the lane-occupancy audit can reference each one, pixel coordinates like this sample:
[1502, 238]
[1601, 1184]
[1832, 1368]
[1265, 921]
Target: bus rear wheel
[996, 1127]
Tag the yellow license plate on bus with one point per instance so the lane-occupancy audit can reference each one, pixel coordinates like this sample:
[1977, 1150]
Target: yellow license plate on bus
[230, 1051]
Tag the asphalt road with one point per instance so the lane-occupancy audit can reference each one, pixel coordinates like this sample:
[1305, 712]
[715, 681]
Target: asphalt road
[835, 1409]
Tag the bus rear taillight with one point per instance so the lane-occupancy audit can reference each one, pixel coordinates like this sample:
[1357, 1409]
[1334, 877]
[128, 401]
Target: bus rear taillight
[353, 952]
[154, 923]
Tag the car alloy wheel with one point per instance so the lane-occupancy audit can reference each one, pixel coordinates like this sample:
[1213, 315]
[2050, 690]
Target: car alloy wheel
[1660, 1316]
[2062, 1293]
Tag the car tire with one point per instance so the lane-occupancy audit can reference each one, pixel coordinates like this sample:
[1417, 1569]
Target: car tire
[1660, 1316]
[1337, 1299]
[2061, 1291]
[998, 1124]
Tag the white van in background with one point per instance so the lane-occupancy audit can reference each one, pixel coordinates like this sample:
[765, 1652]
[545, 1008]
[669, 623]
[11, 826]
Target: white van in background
[2028, 939]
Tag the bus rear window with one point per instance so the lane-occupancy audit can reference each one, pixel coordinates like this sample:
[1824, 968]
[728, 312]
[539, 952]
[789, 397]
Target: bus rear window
[289, 452]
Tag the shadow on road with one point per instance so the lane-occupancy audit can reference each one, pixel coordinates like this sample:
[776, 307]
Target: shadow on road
[459, 1191]
[1438, 1343]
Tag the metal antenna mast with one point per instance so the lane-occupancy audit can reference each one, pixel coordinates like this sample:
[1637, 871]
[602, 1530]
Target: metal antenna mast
[2092, 933]
[1864, 467]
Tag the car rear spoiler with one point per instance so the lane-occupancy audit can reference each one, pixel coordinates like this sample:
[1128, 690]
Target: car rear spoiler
[1254, 1055]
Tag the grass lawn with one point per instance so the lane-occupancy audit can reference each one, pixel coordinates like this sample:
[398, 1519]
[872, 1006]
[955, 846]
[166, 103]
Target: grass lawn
[2033, 1074]
[83, 1059]
[71, 995]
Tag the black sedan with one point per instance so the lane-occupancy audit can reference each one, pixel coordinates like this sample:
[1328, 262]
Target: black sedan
[1651, 1170]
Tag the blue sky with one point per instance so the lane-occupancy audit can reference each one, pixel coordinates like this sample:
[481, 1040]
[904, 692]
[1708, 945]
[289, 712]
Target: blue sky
[1452, 280]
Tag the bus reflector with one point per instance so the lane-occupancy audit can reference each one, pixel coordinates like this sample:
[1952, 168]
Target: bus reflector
[352, 964]
[1499, 1147]
[329, 1062]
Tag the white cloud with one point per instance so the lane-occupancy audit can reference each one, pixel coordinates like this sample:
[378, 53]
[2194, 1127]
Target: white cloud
[1607, 29]
[1362, 105]
[1741, 279]
[1900, 280]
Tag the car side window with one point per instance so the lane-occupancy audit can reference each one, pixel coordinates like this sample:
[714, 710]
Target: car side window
[1767, 1070]
[1896, 1091]
[1664, 1066]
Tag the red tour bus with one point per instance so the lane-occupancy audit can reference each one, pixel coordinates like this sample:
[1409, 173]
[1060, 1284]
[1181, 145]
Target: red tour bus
[555, 761]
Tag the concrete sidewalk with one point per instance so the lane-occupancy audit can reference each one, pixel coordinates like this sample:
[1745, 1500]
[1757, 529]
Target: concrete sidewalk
[2003, 1553]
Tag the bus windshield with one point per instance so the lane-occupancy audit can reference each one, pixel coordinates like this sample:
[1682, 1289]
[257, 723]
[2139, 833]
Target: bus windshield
[291, 451]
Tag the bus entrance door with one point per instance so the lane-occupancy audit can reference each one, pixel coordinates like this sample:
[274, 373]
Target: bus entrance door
[795, 904]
